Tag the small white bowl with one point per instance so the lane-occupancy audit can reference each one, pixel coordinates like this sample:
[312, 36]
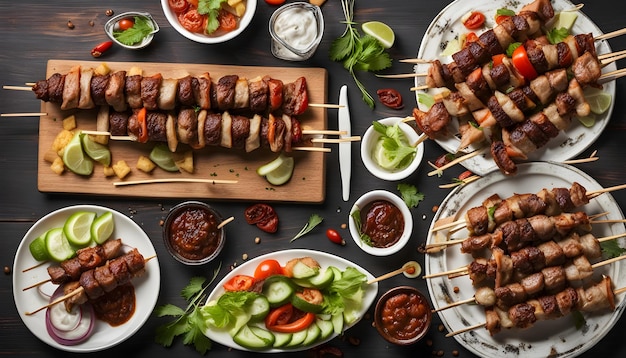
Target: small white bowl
[368, 142]
[361, 204]
[210, 39]
[281, 48]
[111, 26]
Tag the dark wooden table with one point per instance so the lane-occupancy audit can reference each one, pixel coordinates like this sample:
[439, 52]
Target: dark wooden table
[35, 31]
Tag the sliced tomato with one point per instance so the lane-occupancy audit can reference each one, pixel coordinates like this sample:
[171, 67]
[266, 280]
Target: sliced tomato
[470, 37]
[501, 18]
[143, 125]
[279, 315]
[267, 268]
[475, 20]
[497, 59]
[523, 64]
[192, 21]
[258, 212]
[281, 319]
[178, 6]
[239, 283]
[227, 20]
[275, 2]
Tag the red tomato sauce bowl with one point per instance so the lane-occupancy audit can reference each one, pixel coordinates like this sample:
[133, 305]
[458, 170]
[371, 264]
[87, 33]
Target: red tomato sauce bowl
[403, 315]
[191, 233]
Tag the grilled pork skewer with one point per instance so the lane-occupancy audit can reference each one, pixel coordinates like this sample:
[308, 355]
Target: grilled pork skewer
[83, 88]
[96, 282]
[591, 299]
[86, 259]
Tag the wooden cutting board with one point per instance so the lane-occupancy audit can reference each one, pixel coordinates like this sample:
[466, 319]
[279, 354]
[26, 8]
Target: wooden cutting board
[307, 184]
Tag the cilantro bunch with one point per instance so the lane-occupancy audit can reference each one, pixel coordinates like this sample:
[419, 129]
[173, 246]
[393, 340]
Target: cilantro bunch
[358, 53]
[211, 8]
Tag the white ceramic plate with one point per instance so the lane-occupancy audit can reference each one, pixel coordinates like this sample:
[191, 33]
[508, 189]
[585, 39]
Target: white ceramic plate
[324, 259]
[557, 337]
[447, 25]
[104, 336]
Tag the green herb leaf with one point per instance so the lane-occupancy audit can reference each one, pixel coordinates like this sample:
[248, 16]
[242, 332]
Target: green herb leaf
[356, 216]
[211, 8]
[505, 11]
[612, 249]
[557, 35]
[410, 195]
[135, 34]
[512, 47]
[190, 322]
[426, 99]
[314, 220]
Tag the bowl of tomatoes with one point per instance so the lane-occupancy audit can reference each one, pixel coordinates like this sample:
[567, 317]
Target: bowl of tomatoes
[195, 20]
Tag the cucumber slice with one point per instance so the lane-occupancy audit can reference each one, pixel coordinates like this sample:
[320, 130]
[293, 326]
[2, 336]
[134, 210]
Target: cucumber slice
[58, 247]
[337, 321]
[323, 278]
[247, 339]
[312, 334]
[282, 174]
[302, 270]
[281, 339]
[241, 319]
[337, 272]
[265, 169]
[326, 328]
[303, 305]
[278, 290]
[259, 308]
[37, 248]
[297, 338]
[264, 334]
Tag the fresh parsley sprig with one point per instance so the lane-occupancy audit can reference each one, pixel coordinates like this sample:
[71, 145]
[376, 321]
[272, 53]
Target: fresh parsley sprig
[358, 53]
[314, 220]
[135, 34]
[211, 8]
[189, 322]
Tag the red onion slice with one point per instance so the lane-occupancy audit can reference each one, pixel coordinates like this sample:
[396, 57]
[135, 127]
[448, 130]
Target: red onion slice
[69, 328]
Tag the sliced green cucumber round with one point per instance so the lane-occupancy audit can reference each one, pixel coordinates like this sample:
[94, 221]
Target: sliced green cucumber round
[58, 247]
[247, 339]
[37, 248]
[278, 290]
[259, 308]
[265, 169]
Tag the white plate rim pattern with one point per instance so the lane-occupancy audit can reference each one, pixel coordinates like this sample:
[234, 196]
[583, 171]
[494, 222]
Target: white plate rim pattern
[147, 286]
[325, 259]
[567, 145]
[547, 338]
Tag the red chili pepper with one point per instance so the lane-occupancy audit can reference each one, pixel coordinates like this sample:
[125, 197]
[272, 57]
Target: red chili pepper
[143, 125]
[335, 237]
[101, 48]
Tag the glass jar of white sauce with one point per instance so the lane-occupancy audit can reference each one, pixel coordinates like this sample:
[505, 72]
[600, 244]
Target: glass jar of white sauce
[296, 30]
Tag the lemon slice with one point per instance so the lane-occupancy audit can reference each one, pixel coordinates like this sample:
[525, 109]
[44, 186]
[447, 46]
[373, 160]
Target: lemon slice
[95, 150]
[77, 228]
[75, 159]
[57, 246]
[263, 170]
[102, 227]
[162, 156]
[599, 101]
[282, 174]
[380, 31]
[37, 248]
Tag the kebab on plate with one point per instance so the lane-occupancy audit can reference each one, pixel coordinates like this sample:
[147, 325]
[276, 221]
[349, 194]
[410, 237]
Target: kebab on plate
[84, 88]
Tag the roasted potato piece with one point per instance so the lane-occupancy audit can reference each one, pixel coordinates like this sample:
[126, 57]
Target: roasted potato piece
[145, 164]
[108, 171]
[184, 161]
[61, 140]
[58, 166]
[69, 123]
[121, 169]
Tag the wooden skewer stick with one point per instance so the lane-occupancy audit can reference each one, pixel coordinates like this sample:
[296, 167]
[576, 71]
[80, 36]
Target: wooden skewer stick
[454, 304]
[455, 161]
[36, 284]
[312, 149]
[336, 140]
[175, 180]
[403, 75]
[610, 35]
[325, 105]
[17, 88]
[323, 132]
[611, 54]
[223, 223]
[404, 268]
[34, 267]
[27, 114]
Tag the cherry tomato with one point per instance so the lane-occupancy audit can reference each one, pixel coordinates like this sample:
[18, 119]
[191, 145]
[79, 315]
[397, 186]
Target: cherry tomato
[500, 18]
[257, 213]
[269, 225]
[239, 283]
[228, 20]
[475, 20]
[522, 64]
[192, 21]
[178, 6]
[390, 98]
[335, 237]
[126, 23]
[470, 37]
[275, 2]
[267, 268]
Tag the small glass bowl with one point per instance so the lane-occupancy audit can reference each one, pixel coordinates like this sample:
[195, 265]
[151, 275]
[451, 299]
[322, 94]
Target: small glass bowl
[281, 48]
[378, 315]
[180, 209]
[112, 25]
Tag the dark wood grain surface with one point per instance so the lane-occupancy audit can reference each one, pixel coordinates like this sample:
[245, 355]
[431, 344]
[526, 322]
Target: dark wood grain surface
[35, 31]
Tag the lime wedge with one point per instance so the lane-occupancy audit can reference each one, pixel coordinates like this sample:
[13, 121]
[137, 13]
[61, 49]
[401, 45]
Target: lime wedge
[102, 227]
[77, 228]
[75, 159]
[282, 174]
[271, 166]
[38, 248]
[96, 151]
[588, 121]
[57, 246]
[381, 32]
[599, 101]
[565, 19]
[162, 156]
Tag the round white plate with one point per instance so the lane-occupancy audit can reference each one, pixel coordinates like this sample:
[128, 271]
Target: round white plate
[324, 259]
[104, 336]
[557, 337]
[447, 25]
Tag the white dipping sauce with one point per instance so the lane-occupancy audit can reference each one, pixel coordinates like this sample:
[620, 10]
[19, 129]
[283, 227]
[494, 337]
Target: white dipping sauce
[297, 27]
